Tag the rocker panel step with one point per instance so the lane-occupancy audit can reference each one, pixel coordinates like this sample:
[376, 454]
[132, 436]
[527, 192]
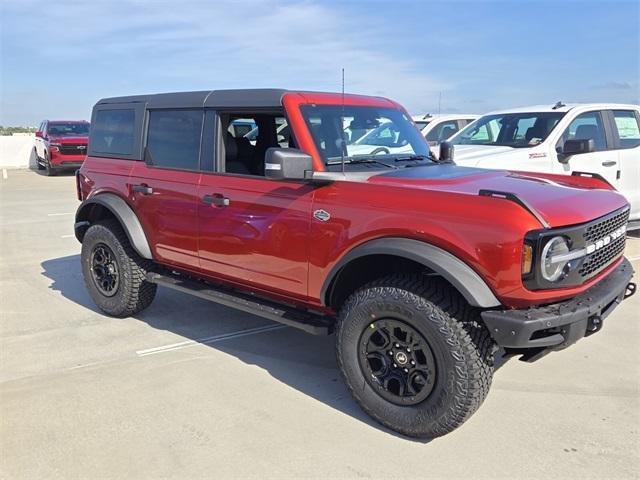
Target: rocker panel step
[309, 322]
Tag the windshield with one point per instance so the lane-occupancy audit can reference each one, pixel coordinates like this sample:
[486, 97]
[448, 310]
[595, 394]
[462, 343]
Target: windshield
[68, 129]
[381, 136]
[518, 130]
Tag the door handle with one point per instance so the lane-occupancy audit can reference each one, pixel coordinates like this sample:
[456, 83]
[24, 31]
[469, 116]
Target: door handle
[142, 188]
[216, 200]
[610, 163]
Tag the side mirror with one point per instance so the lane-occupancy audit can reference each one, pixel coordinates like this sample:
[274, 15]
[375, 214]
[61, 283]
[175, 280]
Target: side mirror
[287, 164]
[39, 134]
[446, 152]
[575, 147]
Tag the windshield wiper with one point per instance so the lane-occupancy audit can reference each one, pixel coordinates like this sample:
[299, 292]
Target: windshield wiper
[354, 161]
[419, 158]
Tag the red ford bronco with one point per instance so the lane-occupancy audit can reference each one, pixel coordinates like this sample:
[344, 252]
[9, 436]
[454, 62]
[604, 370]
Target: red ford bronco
[60, 145]
[421, 267]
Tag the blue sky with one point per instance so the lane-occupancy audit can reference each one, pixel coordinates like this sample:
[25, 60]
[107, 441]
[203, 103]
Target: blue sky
[59, 58]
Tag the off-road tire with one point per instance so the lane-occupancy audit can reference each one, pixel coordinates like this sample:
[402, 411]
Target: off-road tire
[134, 293]
[461, 345]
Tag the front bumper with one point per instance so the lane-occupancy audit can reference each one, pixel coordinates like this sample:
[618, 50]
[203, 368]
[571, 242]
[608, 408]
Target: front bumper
[556, 326]
[58, 159]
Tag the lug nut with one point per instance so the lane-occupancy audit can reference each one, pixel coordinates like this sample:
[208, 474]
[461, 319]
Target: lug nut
[395, 366]
[397, 345]
[412, 362]
[408, 349]
[406, 370]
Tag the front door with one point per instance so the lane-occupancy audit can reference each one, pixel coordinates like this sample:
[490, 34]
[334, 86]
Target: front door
[603, 160]
[251, 229]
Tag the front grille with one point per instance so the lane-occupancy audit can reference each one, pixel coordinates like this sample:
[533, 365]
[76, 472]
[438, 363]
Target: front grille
[73, 149]
[602, 257]
[596, 231]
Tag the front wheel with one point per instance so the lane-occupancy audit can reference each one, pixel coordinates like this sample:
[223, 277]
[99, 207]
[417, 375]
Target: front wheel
[49, 170]
[414, 355]
[115, 275]
[37, 159]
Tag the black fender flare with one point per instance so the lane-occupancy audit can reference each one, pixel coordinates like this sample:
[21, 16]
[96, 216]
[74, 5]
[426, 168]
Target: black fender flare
[455, 271]
[123, 213]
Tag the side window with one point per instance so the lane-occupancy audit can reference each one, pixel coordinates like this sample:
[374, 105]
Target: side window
[112, 132]
[442, 131]
[627, 127]
[587, 126]
[244, 153]
[173, 139]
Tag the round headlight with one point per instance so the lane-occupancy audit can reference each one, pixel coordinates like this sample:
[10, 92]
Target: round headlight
[553, 269]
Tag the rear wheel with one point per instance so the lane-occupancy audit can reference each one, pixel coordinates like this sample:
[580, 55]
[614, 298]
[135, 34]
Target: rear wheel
[114, 273]
[414, 355]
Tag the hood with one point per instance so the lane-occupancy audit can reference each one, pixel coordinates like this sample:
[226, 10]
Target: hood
[469, 155]
[559, 202]
[69, 139]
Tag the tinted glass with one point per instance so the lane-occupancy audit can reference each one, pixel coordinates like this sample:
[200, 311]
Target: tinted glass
[518, 130]
[112, 132]
[627, 127]
[173, 139]
[68, 129]
[587, 126]
[360, 132]
[442, 131]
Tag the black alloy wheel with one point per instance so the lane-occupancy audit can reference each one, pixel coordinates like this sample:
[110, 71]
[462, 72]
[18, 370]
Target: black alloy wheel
[397, 361]
[104, 270]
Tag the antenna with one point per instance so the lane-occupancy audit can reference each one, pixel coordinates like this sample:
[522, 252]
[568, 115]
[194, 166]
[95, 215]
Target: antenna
[342, 143]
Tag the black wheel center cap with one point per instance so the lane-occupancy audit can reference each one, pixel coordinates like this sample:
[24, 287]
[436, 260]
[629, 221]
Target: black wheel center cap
[401, 358]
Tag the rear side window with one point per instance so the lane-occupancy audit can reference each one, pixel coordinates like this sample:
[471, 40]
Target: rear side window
[627, 127]
[112, 132]
[173, 139]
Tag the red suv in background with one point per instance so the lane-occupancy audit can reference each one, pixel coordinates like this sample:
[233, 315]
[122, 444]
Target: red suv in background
[61, 145]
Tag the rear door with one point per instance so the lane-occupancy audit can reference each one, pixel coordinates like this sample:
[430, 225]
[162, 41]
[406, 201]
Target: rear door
[604, 159]
[163, 188]
[626, 128]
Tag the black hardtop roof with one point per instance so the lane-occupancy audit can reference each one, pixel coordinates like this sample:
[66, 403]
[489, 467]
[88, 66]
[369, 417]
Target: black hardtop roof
[259, 97]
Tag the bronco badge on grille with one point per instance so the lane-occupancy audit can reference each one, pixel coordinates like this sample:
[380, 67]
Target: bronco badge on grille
[606, 240]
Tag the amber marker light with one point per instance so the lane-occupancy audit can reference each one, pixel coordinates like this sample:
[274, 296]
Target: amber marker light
[527, 259]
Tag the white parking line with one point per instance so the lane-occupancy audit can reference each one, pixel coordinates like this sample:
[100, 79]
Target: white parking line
[67, 236]
[634, 258]
[5, 174]
[208, 340]
[59, 214]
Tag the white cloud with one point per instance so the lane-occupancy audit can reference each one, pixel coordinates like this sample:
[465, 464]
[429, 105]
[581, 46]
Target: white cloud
[164, 46]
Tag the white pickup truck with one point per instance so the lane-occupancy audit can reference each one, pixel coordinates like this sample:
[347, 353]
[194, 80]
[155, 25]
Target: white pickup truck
[602, 139]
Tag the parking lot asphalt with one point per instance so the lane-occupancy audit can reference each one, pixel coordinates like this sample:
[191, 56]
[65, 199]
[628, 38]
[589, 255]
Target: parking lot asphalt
[189, 389]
